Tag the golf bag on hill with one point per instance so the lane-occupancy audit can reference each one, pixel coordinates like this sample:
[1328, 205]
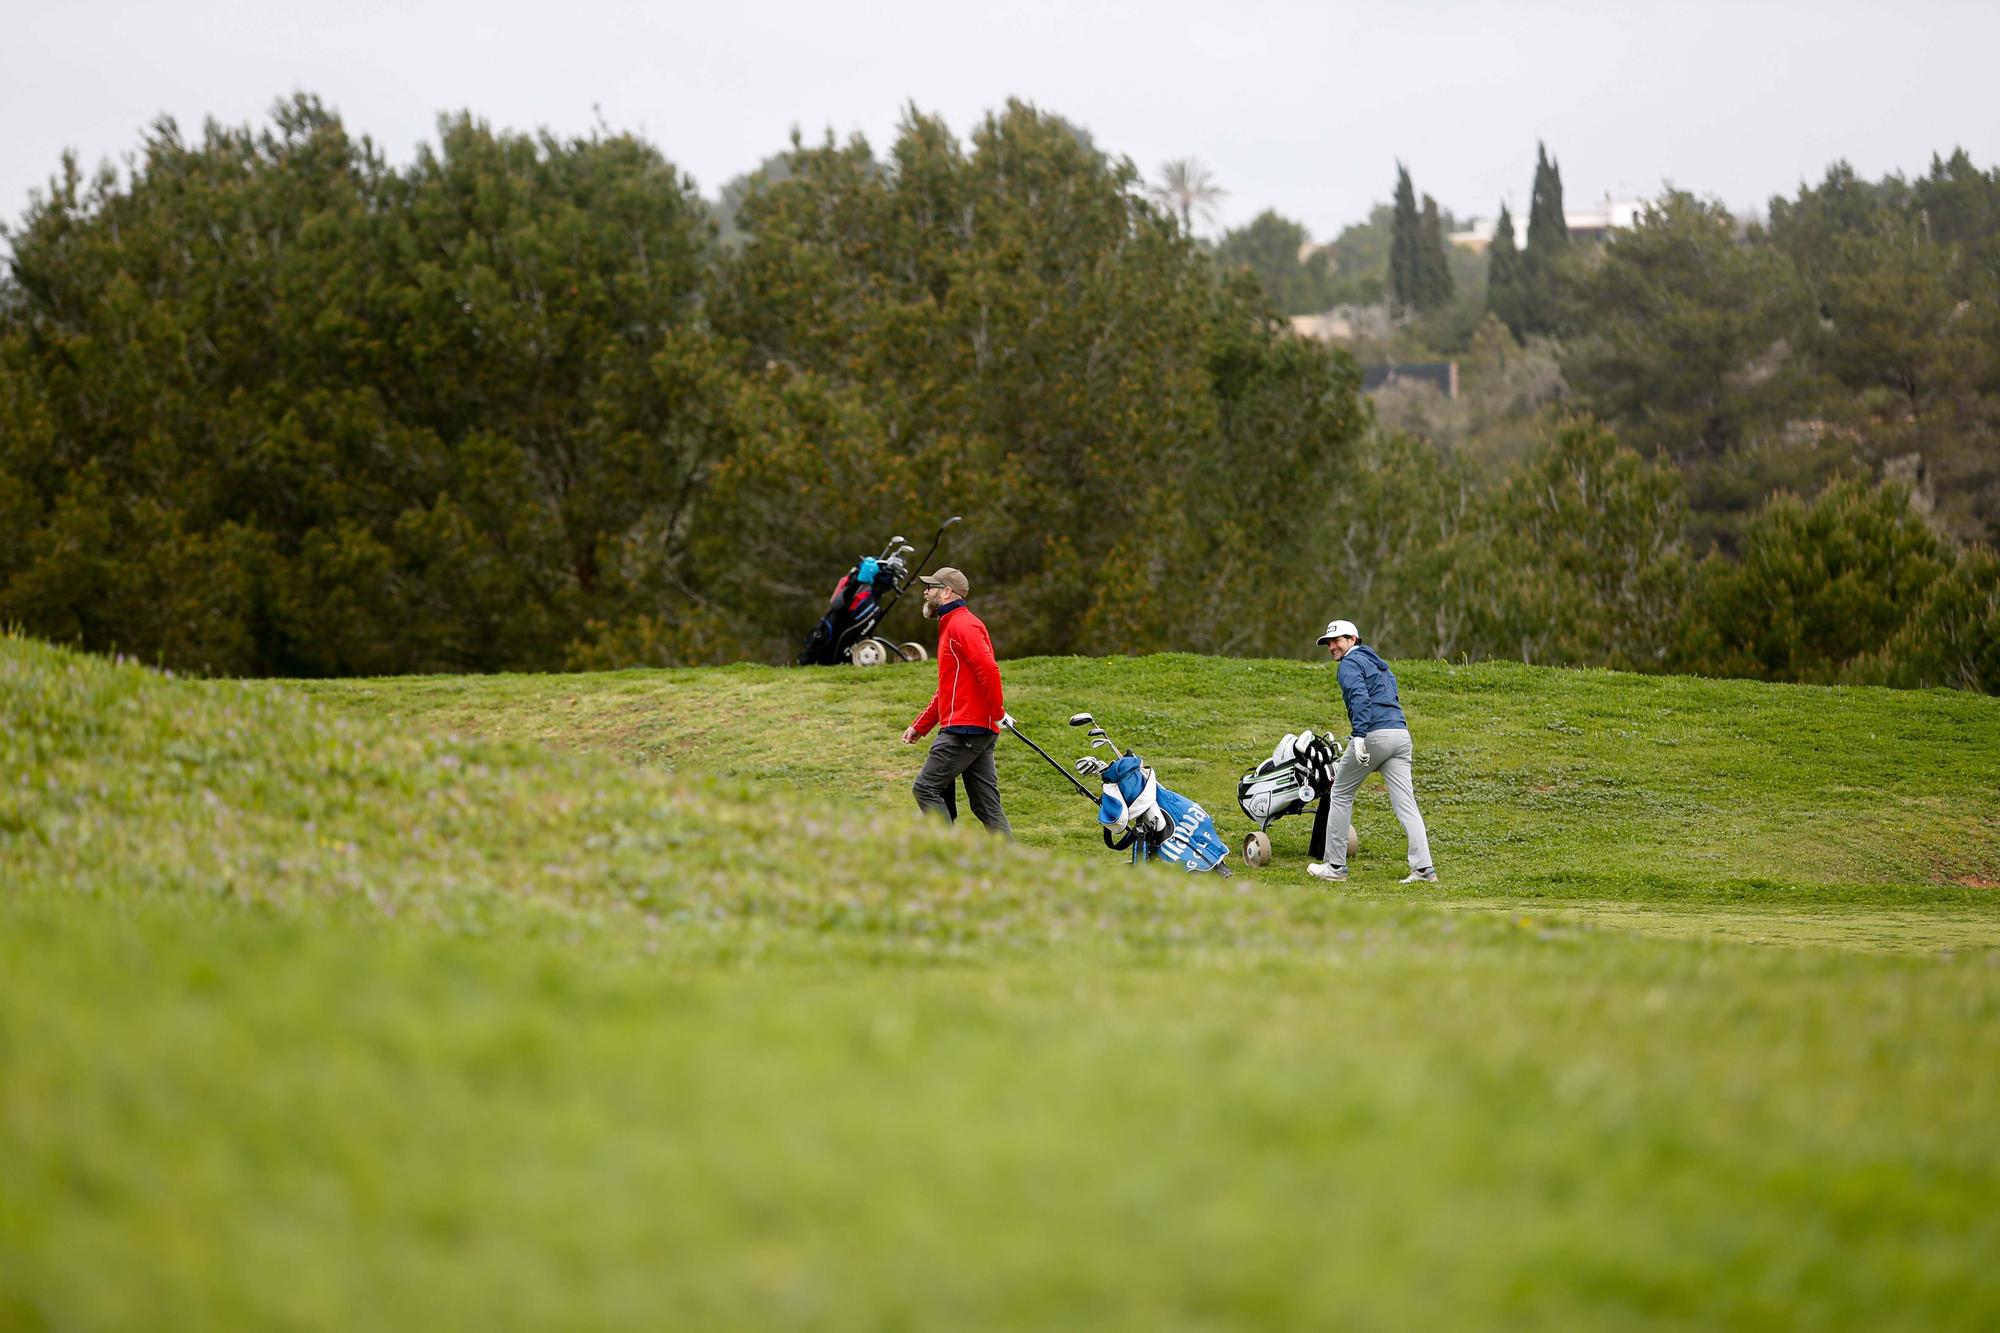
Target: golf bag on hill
[846, 633]
[1134, 811]
[1299, 771]
[1154, 821]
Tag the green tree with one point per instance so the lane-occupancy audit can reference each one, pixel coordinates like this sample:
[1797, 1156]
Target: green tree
[1906, 279]
[1819, 587]
[1269, 248]
[1039, 348]
[1407, 547]
[1588, 545]
[1548, 230]
[1957, 203]
[1682, 334]
[1406, 246]
[1893, 321]
[1576, 558]
[1505, 275]
[1842, 204]
[1952, 638]
[282, 409]
[1363, 247]
[1188, 189]
[728, 205]
[1434, 285]
[1539, 298]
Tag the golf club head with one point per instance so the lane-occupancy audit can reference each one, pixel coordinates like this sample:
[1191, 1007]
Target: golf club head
[1095, 731]
[1081, 720]
[1101, 741]
[896, 540]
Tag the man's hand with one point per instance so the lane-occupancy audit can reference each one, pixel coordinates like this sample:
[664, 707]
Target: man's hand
[1359, 749]
[910, 735]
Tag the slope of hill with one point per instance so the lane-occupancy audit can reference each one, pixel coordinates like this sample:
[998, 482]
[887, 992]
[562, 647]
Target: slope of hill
[1805, 810]
[351, 1005]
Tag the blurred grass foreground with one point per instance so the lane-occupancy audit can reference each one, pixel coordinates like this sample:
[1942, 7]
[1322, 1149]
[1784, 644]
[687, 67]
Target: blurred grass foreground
[579, 1001]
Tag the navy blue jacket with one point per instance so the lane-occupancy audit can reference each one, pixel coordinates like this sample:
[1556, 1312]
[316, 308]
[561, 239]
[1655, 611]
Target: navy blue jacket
[1370, 690]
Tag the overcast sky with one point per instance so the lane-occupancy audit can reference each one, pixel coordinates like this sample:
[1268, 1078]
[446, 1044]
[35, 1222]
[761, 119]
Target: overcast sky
[1300, 107]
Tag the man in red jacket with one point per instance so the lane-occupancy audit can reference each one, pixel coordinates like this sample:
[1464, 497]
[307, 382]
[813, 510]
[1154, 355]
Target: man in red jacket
[969, 705]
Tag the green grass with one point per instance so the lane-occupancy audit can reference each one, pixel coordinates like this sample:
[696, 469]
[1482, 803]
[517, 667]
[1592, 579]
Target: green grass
[642, 1000]
[1769, 810]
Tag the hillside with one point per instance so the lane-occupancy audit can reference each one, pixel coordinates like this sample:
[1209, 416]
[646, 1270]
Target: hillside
[638, 999]
[1800, 809]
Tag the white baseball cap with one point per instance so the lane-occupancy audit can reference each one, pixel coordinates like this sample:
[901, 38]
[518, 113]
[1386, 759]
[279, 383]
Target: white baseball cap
[1338, 629]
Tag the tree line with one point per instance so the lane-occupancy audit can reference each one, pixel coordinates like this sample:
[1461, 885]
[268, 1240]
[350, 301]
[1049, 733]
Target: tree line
[1803, 380]
[272, 405]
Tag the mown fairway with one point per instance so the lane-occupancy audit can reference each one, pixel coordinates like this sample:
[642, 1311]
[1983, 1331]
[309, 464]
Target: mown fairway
[641, 1000]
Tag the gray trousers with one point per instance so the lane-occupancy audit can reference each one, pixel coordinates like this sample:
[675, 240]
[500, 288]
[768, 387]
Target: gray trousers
[1388, 753]
[969, 758]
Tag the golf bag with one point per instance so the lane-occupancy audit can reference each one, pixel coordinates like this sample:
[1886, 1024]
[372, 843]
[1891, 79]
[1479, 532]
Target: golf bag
[859, 600]
[1154, 821]
[846, 633]
[1299, 769]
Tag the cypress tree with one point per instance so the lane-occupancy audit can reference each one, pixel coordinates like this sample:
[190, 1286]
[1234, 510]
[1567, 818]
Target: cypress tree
[1404, 245]
[1547, 232]
[1435, 287]
[1548, 238]
[1503, 274]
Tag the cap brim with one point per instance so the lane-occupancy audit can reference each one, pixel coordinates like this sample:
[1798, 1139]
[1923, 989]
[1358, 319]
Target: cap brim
[1323, 640]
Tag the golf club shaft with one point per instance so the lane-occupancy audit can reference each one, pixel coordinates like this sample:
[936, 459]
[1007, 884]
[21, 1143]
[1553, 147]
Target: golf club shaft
[1081, 790]
[919, 567]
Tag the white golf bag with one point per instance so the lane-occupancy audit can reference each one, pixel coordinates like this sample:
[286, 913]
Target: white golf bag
[1300, 769]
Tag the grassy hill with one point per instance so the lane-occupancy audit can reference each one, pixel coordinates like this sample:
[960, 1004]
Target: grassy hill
[1870, 814]
[641, 999]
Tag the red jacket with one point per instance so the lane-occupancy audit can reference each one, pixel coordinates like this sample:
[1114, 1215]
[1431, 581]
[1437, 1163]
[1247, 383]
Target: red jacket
[968, 692]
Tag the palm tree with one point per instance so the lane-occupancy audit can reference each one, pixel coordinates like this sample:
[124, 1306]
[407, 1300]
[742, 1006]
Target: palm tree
[1187, 188]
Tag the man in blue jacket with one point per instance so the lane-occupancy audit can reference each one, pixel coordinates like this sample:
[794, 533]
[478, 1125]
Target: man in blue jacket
[1381, 742]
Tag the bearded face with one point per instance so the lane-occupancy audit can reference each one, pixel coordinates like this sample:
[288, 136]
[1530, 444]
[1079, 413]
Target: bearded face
[934, 599]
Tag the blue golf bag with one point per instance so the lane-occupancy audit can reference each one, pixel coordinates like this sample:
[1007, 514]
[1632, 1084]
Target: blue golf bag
[1154, 821]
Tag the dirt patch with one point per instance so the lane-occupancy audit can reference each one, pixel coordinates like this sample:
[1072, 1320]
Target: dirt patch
[1975, 882]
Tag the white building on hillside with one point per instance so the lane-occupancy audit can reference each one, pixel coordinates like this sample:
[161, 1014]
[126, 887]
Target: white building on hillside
[1587, 224]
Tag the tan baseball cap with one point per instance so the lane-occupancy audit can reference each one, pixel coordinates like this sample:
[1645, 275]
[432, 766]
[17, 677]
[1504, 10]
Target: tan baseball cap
[949, 578]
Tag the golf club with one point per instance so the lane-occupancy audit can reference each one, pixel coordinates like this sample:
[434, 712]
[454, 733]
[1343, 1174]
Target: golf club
[1007, 722]
[1097, 735]
[935, 540]
[896, 549]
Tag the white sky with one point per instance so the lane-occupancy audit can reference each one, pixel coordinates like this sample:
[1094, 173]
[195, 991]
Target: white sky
[1303, 107]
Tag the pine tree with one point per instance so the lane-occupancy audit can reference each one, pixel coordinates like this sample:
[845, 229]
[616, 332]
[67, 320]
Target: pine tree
[1435, 286]
[1405, 246]
[1548, 238]
[1503, 274]
[1548, 234]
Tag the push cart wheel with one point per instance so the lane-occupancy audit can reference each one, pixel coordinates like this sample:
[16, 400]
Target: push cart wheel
[1353, 841]
[1257, 849]
[915, 652]
[870, 652]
